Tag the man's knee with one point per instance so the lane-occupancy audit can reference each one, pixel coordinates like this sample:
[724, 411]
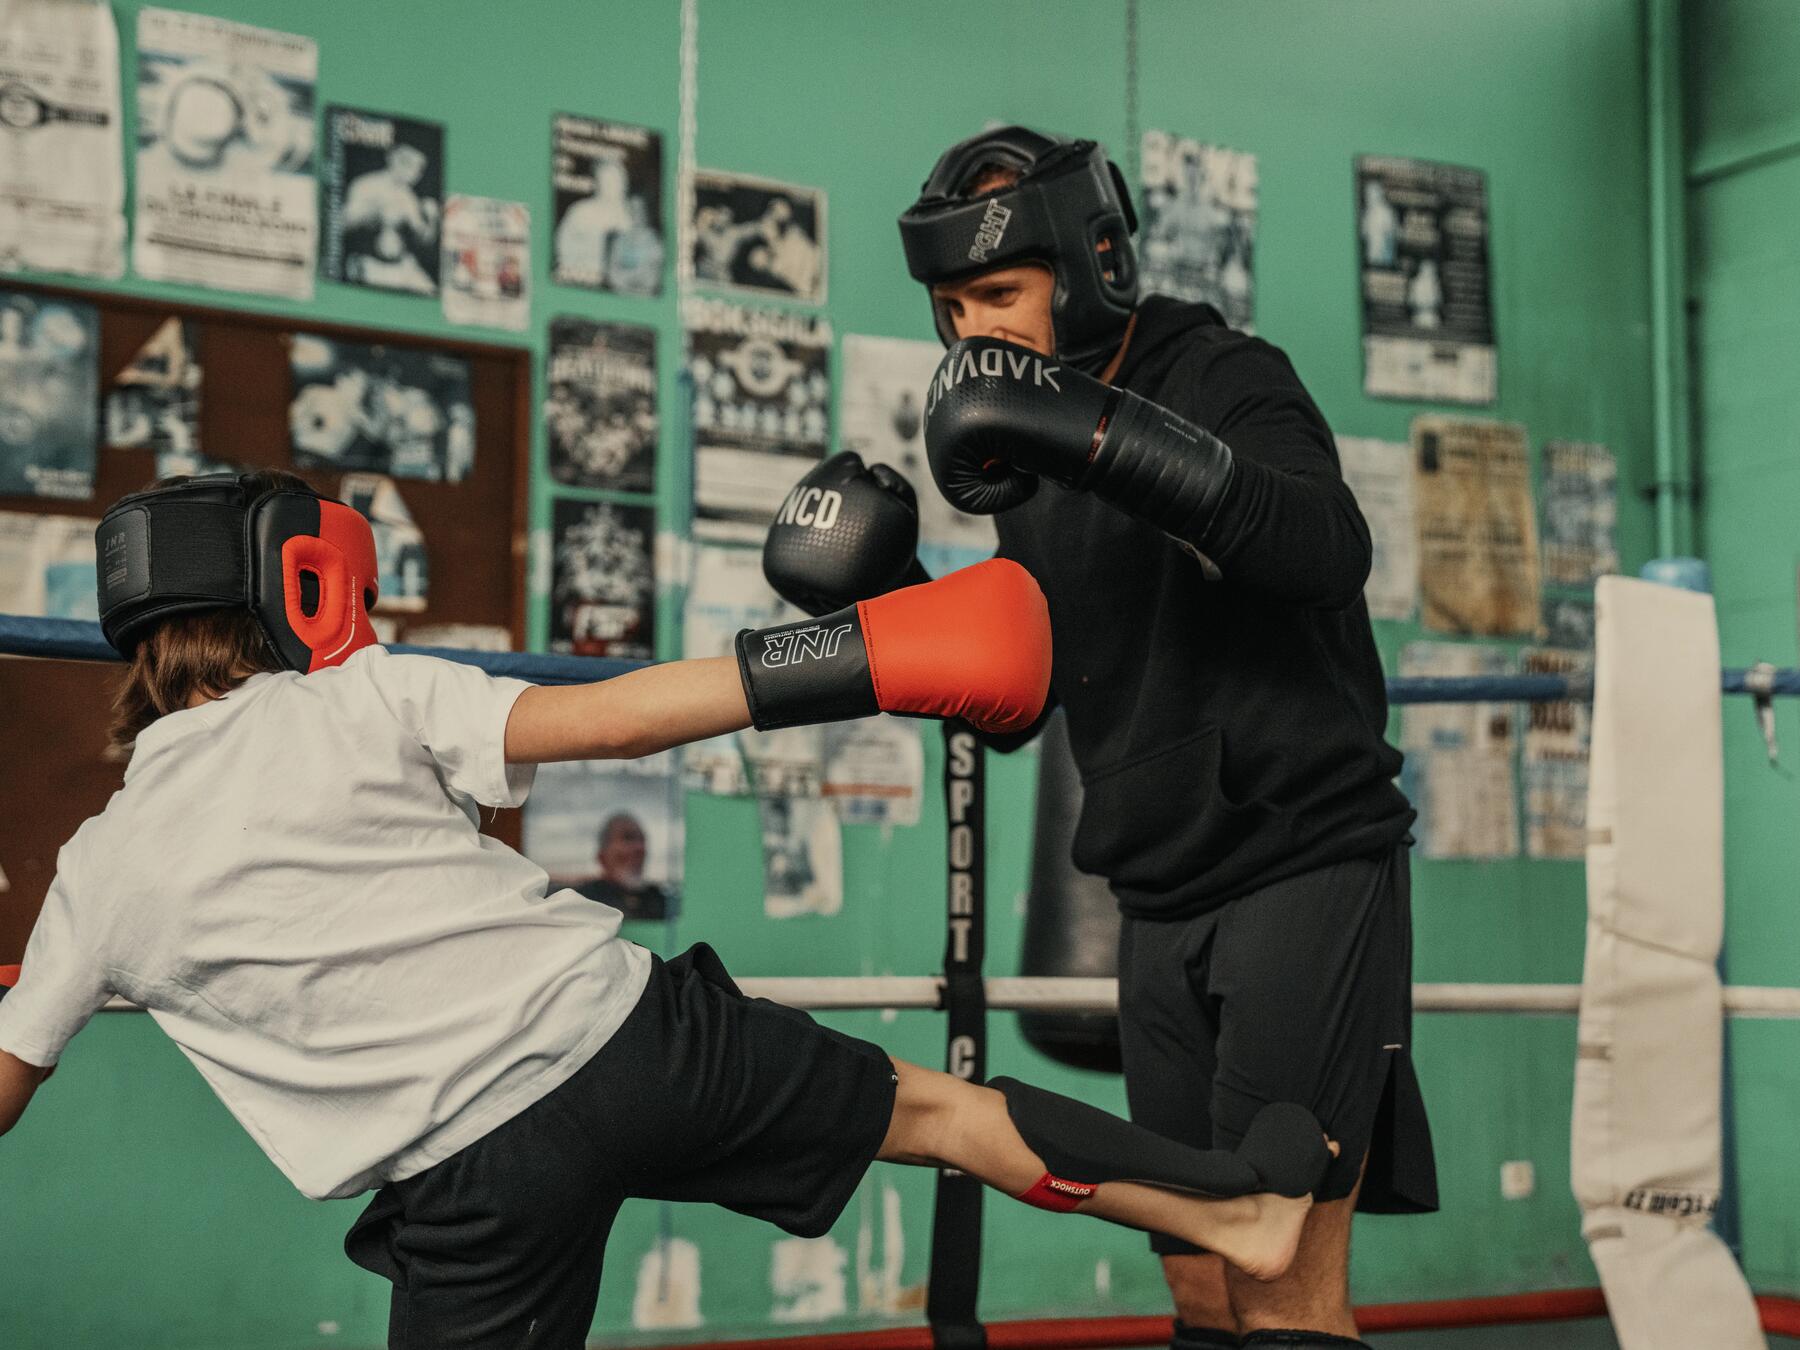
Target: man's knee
[1202, 1297]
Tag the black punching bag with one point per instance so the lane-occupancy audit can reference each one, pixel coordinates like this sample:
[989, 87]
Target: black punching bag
[1071, 918]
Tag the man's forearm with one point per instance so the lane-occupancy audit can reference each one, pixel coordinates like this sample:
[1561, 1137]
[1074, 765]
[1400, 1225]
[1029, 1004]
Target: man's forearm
[629, 716]
[18, 1081]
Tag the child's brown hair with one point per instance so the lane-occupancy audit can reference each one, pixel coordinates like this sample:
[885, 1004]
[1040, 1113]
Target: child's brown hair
[207, 652]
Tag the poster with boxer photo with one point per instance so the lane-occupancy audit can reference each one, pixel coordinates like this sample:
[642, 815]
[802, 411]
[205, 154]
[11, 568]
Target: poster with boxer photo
[603, 579]
[383, 189]
[225, 190]
[392, 410]
[600, 413]
[154, 403]
[606, 198]
[1478, 552]
[883, 409]
[1197, 238]
[62, 178]
[1555, 766]
[761, 412]
[803, 857]
[612, 831]
[1428, 319]
[49, 396]
[751, 234]
[1459, 758]
[486, 269]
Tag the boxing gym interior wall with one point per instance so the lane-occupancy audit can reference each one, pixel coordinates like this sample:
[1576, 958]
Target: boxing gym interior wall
[1743, 128]
[138, 1213]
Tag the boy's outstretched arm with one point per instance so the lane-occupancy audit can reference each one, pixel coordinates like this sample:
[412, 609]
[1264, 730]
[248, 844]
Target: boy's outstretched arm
[974, 645]
[630, 715]
[18, 1080]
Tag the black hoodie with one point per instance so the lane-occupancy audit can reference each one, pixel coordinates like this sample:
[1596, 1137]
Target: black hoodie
[1229, 732]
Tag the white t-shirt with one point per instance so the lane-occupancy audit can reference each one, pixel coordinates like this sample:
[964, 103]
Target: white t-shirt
[292, 883]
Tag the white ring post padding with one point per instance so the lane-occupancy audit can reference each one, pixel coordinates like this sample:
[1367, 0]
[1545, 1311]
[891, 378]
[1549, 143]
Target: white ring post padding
[827, 992]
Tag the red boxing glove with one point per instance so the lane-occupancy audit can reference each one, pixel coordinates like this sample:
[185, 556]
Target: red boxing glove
[974, 644]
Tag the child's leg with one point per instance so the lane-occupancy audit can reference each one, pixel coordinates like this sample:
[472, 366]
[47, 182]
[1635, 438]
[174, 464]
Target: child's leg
[940, 1120]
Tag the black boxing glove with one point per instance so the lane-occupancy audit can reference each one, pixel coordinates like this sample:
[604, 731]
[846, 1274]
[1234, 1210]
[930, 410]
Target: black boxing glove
[999, 416]
[846, 532]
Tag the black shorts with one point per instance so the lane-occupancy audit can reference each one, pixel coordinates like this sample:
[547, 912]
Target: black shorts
[701, 1095]
[1301, 991]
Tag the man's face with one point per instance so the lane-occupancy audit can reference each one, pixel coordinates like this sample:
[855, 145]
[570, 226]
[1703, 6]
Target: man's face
[622, 853]
[1011, 303]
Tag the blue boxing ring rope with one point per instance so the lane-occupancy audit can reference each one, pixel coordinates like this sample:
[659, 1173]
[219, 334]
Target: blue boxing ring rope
[80, 640]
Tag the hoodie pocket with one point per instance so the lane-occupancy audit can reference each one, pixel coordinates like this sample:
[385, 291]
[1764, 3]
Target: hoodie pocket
[1153, 821]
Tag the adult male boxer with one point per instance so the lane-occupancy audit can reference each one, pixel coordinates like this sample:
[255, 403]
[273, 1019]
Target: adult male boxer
[1177, 495]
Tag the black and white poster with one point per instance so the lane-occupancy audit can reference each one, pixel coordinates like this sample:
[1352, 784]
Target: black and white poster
[62, 171]
[1197, 240]
[1579, 504]
[603, 579]
[154, 402]
[606, 195]
[752, 234]
[1428, 319]
[389, 410]
[403, 569]
[382, 187]
[761, 383]
[49, 396]
[600, 414]
[225, 190]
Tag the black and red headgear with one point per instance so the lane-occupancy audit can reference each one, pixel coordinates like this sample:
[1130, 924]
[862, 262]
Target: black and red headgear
[304, 565]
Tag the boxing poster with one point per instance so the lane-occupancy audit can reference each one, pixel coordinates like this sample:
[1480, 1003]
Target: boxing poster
[403, 569]
[611, 830]
[225, 190]
[1555, 766]
[803, 857]
[600, 414]
[486, 274]
[1428, 318]
[1569, 622]
[761, 411]
[1380, 477]
[606, 197]
[1580, 509]
[47, 566]
[1459, 758]
[883, 419]
[1197, 240]
[154, 402]
[1478, 554]
[874, 770]
[603, 579]
[62, 173]
[49, 396]
[383, 190]
[392, 410]
[759, 236]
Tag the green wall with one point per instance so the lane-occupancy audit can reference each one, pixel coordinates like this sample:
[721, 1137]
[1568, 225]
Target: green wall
[137, 1213]
[1743, 196]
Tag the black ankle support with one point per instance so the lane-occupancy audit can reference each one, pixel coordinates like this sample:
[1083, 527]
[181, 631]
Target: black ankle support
[1283, 1152]
[1202, 1338]
[1300, 1340]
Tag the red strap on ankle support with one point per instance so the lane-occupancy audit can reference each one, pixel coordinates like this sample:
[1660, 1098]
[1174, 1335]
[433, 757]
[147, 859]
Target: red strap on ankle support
[1051, 1192]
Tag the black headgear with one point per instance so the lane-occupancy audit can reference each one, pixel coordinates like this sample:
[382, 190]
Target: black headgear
[1069, 209]
[304, 565]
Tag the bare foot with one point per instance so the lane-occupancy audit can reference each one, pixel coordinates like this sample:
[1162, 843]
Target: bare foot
[1263, 1246]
